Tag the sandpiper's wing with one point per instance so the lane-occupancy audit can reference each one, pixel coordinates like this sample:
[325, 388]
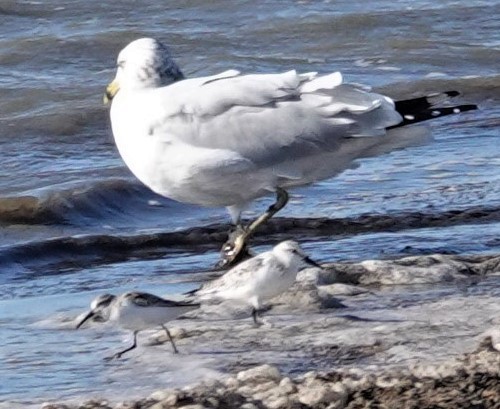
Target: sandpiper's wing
[150, 300]
[102, 301]
[239, 275]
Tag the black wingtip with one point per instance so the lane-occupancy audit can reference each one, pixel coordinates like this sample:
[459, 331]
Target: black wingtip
[415, 106]
[467, 107]
[433, 113]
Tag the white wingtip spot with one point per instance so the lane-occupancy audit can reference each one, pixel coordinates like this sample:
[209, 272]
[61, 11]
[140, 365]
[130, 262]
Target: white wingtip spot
[409, 117]
[456, 110]
[436, 113]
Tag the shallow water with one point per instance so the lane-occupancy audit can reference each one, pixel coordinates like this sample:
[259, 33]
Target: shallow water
[62, 178]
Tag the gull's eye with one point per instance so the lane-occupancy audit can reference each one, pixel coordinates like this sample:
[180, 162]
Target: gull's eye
[120, 64]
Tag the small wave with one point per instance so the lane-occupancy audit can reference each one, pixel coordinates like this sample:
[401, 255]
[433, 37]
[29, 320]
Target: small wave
[84, 250]
[23, 9]
[23, 117]
[74, 205]
[474, 89]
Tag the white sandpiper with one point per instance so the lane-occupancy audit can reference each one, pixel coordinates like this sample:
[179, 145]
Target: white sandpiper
[227, 139]
[257, 279]
[137, 311]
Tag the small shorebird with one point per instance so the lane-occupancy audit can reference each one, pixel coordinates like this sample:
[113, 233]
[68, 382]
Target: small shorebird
[259, 278]
[137, 311]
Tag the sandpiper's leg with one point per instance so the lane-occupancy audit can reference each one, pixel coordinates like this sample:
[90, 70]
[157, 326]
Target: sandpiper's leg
[171, 339]
[255, 315]
[130, 348]
[256, 308]
[235, 248]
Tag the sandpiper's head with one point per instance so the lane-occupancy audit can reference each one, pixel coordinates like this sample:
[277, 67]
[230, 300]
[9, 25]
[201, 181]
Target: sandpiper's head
[99, 309]
[291, 253]
[144, 63]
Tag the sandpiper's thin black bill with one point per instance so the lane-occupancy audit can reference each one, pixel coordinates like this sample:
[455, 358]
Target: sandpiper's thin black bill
[89, 315]
[311, 262]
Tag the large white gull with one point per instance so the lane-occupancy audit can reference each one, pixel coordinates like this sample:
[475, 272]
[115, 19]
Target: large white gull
[227, 139]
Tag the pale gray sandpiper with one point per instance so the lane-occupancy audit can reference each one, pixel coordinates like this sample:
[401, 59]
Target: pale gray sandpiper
[137, 311]
[260, 278]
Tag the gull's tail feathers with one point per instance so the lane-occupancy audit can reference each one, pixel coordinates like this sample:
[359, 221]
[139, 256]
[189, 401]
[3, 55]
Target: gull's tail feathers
[424, 108]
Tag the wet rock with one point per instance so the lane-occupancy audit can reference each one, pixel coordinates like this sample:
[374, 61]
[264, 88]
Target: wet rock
[492, 340]
[259, 374]
[138, 404]
[249, 406]
[280, 402]
[95, 404]
[315, 393]
[305, 296]
[409, 270]
[258, 391]
[339, 289]
[309, 275]
[55, 406]
[231, 383]
[167, 397]
[287, 387]
[160, 405]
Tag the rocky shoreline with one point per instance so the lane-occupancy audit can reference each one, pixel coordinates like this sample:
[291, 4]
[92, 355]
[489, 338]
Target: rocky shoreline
[472, 381]
[375, 334]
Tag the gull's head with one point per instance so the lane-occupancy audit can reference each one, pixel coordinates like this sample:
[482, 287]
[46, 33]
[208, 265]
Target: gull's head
[291, 254]
[99, 309]
[144, 63]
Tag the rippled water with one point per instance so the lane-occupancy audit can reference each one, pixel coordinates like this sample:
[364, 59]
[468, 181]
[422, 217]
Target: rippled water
[62, 179]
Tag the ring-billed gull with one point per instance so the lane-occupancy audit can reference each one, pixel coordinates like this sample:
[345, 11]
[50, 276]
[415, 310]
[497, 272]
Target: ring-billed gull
[260, 278]
[137, 311]
[227, 139]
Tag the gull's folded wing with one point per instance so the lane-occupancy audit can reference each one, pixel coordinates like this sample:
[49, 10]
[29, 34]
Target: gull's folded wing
[267, 118]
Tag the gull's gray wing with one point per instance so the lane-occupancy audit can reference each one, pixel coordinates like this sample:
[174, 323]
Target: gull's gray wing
[269, 118]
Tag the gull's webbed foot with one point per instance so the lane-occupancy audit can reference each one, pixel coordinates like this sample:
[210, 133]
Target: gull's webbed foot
[234, 249]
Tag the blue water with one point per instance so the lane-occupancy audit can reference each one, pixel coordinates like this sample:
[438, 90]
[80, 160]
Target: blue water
[61, 169]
